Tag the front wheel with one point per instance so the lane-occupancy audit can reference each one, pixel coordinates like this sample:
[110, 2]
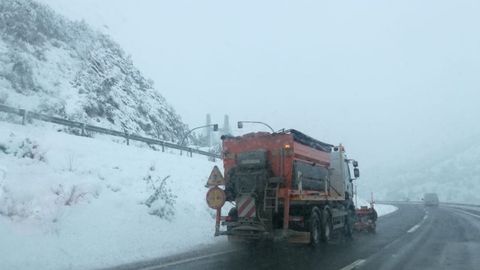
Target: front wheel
[349, 221]
[348, 228]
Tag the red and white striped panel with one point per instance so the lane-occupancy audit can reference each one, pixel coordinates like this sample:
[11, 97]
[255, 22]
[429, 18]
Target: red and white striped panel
[246, 207]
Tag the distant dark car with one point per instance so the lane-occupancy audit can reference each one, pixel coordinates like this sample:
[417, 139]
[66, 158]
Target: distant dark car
[430, 199]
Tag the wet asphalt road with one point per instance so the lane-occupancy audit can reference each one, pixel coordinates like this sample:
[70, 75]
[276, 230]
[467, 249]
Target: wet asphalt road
[448, 238]
[413, 237]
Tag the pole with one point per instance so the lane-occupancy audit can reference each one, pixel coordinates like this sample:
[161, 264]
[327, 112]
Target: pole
[217, 221]
[24, 116]
[258, 122]
[190, 131]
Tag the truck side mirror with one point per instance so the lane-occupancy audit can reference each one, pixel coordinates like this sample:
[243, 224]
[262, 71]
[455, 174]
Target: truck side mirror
[356, 173]
[240, 124]
[215, 127]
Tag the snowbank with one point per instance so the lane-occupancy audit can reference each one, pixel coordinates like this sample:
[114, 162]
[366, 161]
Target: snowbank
[385, 209]
[69, 202]
[382, 209]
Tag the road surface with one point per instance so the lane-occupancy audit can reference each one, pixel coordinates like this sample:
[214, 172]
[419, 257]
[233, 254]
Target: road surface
[413, 237]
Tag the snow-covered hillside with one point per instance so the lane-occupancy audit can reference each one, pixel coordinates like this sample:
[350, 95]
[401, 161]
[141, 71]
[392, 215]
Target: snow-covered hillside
[53, 65]
[454, 174]
[69, 202]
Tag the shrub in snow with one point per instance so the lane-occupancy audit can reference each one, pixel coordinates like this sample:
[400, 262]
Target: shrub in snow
[25, 148]
[72, 195]
[162, 201]
[29, 149]
[10, 206]
[114, 188]
[3, 148]
[14, 210]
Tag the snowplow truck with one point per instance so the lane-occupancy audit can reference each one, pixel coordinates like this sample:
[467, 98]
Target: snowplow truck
[284, 185]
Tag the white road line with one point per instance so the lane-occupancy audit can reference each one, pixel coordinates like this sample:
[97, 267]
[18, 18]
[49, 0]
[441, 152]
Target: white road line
[154, 267]
[354, 265]
[414, 228]
[467, 213]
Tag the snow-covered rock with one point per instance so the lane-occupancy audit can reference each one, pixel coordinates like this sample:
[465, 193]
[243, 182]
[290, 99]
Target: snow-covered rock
[56, 66]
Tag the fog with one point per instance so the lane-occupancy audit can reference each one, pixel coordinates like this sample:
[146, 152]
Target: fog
[395, 81]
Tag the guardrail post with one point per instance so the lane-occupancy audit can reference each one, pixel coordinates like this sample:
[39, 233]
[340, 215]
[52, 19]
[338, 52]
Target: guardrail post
[83, 130]
[127, 137]
[24, 116]
[191, 152]
[163, 147]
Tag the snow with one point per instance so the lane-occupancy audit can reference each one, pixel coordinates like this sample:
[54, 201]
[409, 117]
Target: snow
[70, 202]
[78, 203]
[67, 69]
[385, 209]
[452, 174]
[382, 209]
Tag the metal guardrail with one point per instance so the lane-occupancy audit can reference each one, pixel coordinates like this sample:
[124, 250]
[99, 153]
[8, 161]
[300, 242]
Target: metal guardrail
[422, 202]
[86, 127]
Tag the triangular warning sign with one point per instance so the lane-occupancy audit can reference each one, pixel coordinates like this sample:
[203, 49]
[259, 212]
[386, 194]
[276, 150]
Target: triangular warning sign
[216, 178]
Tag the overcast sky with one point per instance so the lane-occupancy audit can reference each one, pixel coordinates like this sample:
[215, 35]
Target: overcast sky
[392, 80]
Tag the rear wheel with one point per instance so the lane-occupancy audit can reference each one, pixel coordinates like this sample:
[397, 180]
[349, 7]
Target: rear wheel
[326, 227]
[314, 229]
[233, 215]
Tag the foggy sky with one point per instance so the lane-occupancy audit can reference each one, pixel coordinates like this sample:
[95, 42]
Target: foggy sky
[393, 80]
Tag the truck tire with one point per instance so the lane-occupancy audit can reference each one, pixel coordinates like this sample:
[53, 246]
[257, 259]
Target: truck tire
[314, 222]
[233, 214]
[349, 221]
[348, 227]
[372, 228]
[326, 227]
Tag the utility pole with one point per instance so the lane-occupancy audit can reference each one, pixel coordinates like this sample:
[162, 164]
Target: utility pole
[226, 126]
[209, 131]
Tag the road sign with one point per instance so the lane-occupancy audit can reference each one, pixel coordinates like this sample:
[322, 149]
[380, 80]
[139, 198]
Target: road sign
[215, 198]
[216, 178]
